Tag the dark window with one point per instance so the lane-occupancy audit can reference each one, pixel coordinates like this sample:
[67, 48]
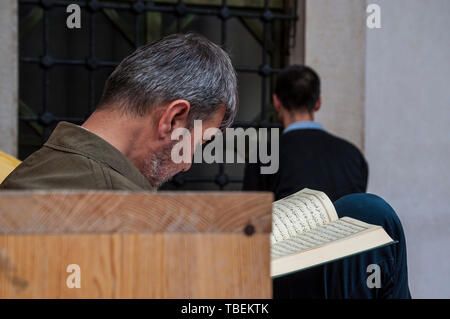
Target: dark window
[62, 71]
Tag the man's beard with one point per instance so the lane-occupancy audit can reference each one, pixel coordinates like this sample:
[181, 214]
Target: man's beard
[160, 168]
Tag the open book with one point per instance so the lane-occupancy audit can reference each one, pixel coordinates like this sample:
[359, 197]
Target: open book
[307, 232]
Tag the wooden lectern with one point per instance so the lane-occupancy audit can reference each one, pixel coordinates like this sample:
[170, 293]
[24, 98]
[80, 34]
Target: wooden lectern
[135, 245]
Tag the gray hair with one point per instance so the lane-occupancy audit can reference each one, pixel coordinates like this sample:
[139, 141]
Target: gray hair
[179, 66]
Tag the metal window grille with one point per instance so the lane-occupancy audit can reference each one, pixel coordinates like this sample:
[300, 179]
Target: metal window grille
[262, 18]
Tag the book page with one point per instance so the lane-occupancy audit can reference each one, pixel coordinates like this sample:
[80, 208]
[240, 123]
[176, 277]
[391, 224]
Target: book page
[335, 230]
[299, 213]
[324, 244]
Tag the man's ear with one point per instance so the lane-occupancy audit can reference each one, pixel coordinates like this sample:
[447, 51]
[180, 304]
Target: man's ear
[276, 103]
[318, 105]
[174, 115]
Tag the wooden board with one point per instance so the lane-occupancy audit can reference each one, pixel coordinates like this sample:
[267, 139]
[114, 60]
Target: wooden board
[75, 212]
[136, 266]
[135, 245]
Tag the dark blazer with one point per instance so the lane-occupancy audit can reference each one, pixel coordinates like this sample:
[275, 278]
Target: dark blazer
[318, 160]
[314, 159]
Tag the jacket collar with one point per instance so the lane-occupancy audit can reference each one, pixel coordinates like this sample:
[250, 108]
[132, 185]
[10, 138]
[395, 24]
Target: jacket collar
[304, 125]
[75, 139]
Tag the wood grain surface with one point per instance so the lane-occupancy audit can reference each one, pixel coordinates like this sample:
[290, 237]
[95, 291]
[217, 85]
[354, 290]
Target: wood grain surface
[135, 245]
[75, 212]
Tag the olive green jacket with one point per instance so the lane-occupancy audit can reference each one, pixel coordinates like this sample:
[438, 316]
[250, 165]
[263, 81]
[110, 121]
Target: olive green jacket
[74, 158]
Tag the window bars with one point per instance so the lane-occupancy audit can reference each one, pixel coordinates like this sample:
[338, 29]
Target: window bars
[264, 12]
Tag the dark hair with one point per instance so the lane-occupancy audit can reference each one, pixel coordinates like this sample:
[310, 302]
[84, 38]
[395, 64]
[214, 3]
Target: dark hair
[298, 88]
[179, 66]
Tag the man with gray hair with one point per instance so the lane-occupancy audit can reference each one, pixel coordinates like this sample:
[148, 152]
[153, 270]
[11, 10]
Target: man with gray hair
[126, 143]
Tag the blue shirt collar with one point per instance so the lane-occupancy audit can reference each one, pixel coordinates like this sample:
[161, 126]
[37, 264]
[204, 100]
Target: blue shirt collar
[306, 125]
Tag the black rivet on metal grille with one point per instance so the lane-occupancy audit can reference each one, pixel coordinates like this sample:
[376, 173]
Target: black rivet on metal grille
[46, 118]
[224, 13]
[249, 230]
[92, 63]
[267, 16]
[139, 7]
[94, 6]
[222, 180]
[46, 4]
[265, 70]
[46, 61]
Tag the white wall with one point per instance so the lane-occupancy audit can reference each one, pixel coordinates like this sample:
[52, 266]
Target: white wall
[407, 136]
[8, 76]
[335, 47]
